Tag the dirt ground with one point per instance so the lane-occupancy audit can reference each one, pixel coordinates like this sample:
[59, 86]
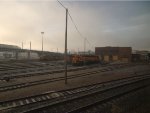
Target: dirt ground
[72, 83]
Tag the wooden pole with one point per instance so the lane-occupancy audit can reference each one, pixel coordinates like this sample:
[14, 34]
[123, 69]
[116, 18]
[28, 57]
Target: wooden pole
[66, 47]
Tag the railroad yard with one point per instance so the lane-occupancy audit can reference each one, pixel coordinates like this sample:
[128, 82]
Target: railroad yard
[64, 56]
[39, 87]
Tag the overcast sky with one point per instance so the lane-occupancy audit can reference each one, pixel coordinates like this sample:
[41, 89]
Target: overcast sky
[102, 23]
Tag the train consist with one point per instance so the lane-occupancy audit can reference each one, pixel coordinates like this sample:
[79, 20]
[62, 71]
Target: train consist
[78, 60]
[51, 57]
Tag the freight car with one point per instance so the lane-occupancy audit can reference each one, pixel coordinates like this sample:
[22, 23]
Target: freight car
[85, 59]
[69, 59]
[51, 57]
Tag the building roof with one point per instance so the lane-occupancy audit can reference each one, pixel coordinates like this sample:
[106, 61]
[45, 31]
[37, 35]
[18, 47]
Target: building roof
[9, 46]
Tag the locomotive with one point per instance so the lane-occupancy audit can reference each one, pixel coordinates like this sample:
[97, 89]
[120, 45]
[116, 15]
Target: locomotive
[84, 59]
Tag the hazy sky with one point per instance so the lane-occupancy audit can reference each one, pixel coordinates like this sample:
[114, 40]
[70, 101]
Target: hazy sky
[102, 23]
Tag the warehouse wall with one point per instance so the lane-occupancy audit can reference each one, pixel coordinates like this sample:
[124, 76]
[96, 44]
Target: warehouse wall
[110, 54]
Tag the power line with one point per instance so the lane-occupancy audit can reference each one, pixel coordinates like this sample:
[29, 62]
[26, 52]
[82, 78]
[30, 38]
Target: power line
[78, 30]
[61, 4]
[75, 24]
[71, 19]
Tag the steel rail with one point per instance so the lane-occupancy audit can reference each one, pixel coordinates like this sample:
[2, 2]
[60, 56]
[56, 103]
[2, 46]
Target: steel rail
[34, 71]
[27, 84]
[74, 104]
[11, 74]
[67, 95]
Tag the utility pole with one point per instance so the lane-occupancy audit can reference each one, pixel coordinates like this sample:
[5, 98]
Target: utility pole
[66, 47]
[42, 41]
[84, 48]
[30, 45]
[65, 57]
[30, 51]
[84, 45]
[22, 45]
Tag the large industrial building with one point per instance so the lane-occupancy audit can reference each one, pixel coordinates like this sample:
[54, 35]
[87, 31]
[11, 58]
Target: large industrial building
[12, 52]
[109, 54]
[6, 46]
[8, 51]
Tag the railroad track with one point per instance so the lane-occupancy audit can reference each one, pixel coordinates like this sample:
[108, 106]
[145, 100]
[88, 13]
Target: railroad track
[19, 73]
[54, 79]
[77, 99]
[6, 68]
[26, 72]
[48, 70]
[21, 65]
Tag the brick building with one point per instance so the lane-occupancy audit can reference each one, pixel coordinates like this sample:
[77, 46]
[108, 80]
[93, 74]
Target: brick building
[138, 55]
[110, 54]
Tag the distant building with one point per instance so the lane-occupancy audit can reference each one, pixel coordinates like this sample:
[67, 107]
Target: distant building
[28, 55]
[86, 52]
[6, 46]
[110, 54]
[8, 51]
[89, 52]
[7, 55]
[12, 52]
[138, 55]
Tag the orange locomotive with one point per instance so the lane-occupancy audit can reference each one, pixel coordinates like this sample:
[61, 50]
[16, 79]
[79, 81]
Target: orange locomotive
[85, 59]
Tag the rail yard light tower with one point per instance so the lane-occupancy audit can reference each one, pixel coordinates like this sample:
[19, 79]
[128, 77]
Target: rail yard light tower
[42, 41]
